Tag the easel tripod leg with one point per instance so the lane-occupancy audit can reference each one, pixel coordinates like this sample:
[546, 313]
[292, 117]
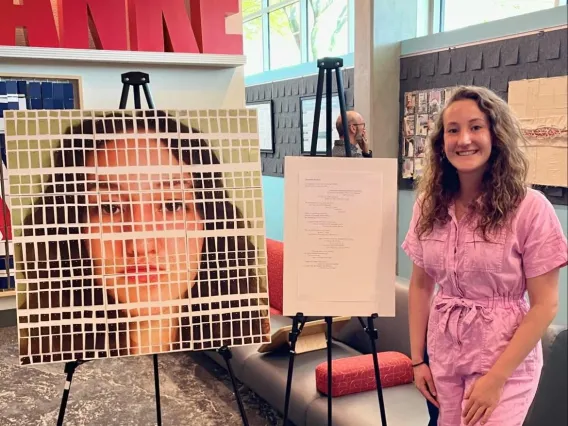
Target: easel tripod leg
[227, 355]
[69, 370]
[315, 129]
[157, 390]
[329, 322]
[343, 111]
[297, 326]
[373, 335]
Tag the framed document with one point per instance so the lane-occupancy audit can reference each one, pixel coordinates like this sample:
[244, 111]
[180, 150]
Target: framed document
[265, 114]
[339, 242]
[308, 109]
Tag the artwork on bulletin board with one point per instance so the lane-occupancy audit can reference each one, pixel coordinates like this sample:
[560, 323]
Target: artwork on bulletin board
[162, 241]
[421, 110]
[308, 109]
[542, 108]
[265, 117]
[26, 93]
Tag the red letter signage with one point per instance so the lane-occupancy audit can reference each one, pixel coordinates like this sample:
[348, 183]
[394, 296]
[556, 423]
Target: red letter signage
[109, 19]
[142, 25]
[208, 18]
[35, 15]
[157, 24]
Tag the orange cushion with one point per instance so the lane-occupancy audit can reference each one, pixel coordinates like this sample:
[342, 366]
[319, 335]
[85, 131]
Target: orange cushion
[357, 374]
[275, 254]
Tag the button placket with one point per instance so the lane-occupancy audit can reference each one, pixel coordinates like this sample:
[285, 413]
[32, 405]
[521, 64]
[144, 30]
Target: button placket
[456, 240]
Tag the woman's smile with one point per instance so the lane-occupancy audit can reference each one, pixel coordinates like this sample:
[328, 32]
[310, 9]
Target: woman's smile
[467, 153]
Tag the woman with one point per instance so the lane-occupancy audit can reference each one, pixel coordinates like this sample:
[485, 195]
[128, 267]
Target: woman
[136, 221]
[486, 239]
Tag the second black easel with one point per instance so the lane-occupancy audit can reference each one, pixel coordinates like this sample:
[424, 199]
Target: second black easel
[326, 67]
[136, 80]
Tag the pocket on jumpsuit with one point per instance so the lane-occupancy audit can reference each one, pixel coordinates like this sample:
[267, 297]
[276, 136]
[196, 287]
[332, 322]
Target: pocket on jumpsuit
[484, 256]
[433, 249]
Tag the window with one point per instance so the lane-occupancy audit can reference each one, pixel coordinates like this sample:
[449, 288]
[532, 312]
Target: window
[252, 37]
[251, 6]
[463, 13]
[283, 33]
[328, 33]
[285, 38]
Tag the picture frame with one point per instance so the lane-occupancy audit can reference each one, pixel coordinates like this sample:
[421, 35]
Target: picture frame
[265, 116]
[307, 112]
[169, 214]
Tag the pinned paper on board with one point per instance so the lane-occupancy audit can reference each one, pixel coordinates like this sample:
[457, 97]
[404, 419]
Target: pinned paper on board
[136, 232]
[421, 110]
[542, 107]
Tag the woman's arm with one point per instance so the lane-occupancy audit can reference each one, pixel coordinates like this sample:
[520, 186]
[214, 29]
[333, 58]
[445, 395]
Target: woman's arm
[419, 297]
[543, 295]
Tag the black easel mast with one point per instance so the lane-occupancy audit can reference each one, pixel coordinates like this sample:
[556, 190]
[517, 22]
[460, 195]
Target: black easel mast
[327, 66]
[135, 79]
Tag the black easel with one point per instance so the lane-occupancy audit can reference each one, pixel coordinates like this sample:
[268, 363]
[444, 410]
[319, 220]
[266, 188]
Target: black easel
[327, 66]
[137, 79]
[226, 353]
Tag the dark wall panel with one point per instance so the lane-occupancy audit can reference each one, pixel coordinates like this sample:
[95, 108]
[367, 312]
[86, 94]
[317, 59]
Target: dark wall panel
[491, 65]
[286, 96]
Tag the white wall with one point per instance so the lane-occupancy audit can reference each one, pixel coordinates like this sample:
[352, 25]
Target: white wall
[171, 86]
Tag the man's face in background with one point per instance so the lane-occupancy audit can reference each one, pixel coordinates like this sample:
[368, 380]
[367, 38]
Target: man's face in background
[358, 128]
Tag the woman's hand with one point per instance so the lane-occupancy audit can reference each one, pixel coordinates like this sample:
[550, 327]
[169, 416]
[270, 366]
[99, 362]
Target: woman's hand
[425, 384]
[481, 399]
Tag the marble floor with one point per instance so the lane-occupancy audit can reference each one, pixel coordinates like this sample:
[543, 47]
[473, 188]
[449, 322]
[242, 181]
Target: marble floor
[120, 392]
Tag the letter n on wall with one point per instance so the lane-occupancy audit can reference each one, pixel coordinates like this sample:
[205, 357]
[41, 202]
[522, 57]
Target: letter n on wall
[107, 16]
[161, 25]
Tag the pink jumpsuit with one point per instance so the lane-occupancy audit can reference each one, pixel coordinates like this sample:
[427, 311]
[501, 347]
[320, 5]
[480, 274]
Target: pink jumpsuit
[481, 301]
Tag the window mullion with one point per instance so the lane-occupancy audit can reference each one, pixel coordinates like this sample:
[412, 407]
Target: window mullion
[351, 25]
[265, 40]
[304, 31]
[436, 16]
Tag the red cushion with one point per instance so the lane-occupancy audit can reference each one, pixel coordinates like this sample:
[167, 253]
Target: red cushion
[5, 221]
[275, 255]
[274, 311]
[357, 374]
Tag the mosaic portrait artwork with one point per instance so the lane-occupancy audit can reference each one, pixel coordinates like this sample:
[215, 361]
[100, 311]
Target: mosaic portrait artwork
[136, 232]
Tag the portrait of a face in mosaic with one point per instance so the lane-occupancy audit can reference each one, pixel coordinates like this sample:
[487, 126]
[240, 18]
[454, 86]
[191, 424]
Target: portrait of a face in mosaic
[136, 232]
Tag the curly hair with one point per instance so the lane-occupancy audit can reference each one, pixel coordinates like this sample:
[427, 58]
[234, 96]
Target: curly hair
[504, 181]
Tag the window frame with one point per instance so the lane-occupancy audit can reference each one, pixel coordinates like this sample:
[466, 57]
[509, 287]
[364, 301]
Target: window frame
[437, 14]
[265, 10]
